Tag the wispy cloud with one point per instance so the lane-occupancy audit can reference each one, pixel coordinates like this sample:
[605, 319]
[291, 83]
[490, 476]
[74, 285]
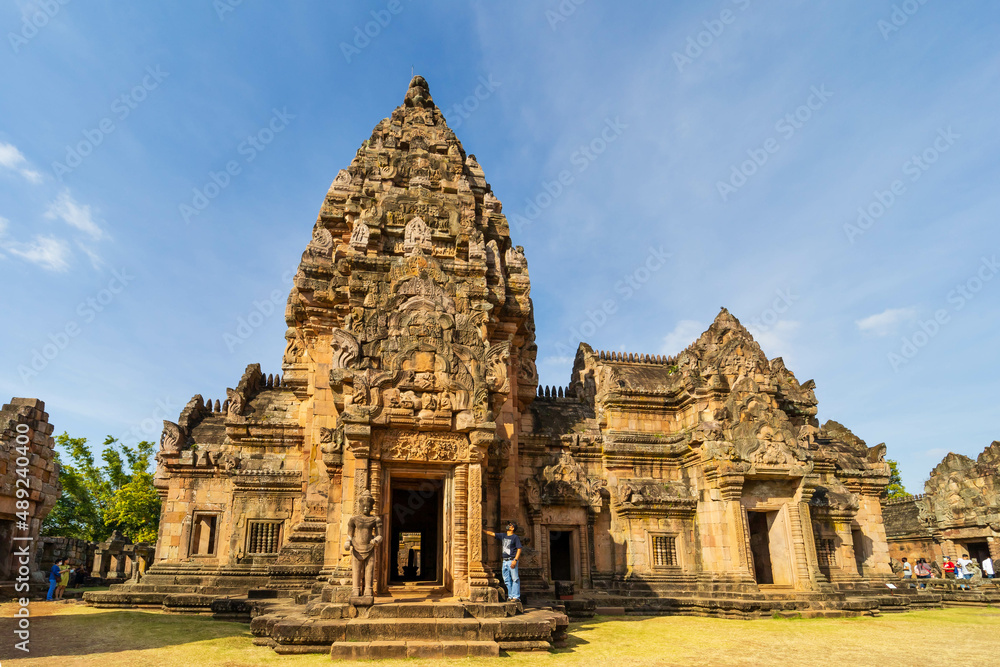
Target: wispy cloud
[885, 323]
[776, 340]
[74, 214]
[13, 159]
[95, 260]
[557, 360]
[50, 253]
[685, 333]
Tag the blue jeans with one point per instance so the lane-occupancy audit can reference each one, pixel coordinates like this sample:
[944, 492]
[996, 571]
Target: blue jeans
[52, 589]
[513, 581]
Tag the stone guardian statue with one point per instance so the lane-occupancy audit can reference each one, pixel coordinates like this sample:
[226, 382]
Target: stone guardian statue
[364, 534]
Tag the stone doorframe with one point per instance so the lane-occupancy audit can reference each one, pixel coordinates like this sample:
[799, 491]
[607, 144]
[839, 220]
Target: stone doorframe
[786, 518]
[414, 472]
[577, 550]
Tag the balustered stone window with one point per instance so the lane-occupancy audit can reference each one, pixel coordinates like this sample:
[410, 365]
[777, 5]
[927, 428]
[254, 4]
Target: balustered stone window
[826, 553]
[263, 537]
[664, 550]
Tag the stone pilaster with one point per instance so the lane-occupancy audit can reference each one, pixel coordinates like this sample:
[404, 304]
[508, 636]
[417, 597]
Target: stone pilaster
[480, 580]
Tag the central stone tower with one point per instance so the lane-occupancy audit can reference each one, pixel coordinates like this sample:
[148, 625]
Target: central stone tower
[410, 349]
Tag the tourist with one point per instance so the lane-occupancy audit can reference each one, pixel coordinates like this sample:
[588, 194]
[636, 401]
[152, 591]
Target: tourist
[63, 580]
[949, 568]
[923, 570]
[907, 570]
[511, 556]
[988, 568]
[963, 569]
[54, 579]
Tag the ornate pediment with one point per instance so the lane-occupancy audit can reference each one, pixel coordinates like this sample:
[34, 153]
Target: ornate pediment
[646, 496]
[565, 482]
[393, 445]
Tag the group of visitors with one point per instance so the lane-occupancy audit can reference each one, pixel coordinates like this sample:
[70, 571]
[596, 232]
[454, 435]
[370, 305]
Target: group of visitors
[61, 575]
[961, 568]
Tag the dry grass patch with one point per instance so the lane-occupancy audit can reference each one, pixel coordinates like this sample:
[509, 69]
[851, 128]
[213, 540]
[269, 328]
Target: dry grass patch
[72, 634]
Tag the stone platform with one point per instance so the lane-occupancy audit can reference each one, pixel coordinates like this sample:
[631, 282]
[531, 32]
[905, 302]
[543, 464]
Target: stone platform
[401, 629]
[788, 603]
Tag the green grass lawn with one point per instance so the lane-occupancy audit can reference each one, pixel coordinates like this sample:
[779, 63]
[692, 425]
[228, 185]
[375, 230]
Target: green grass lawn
[73, 634]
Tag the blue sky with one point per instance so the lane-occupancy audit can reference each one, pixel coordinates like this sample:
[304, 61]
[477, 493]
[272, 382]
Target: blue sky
[825, 170]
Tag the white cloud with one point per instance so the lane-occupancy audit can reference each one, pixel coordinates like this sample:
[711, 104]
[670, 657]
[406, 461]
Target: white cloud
[885, 323]
[95, 260]
[47, 252]
[685, 333]
[74, 214]
[13, 159]
[775, 340]
[557, 360]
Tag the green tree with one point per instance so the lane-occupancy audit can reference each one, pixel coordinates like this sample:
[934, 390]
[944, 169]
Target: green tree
[97, 499]
[895, 488]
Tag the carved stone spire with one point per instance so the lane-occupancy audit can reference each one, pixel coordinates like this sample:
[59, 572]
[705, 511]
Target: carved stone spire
[415, 264]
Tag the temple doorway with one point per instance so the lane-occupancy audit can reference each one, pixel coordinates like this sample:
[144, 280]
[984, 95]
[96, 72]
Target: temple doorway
[978, 551]
[760, 547]
[770, 547]
[560, 555]
[415, 530]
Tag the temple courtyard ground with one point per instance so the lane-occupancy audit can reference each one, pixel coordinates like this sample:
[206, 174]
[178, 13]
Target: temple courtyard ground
[73, 634]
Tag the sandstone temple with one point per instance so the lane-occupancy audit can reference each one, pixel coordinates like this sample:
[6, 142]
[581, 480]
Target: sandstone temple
[698, 483]
[958, 514]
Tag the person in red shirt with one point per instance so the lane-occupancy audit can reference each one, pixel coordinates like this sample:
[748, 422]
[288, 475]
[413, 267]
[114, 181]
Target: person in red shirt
[949, 568]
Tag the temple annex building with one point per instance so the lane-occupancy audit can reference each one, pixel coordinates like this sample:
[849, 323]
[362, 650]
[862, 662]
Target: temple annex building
[701, 483]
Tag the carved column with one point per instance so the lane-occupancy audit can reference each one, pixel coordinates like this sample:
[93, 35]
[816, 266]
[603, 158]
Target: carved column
[461, 534]
[535, 516]
[847, 566]
[480, 581]
[806, 565]
[355, 475]
[730, 493]
[588, 578]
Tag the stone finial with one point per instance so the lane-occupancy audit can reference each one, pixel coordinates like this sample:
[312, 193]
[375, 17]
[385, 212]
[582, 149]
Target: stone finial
[419, 93]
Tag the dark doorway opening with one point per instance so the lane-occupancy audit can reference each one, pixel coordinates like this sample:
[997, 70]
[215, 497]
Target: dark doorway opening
[415, 532]
[860, 550]
[760, 546]
[7, 568]
[978, 551]
[560, 555]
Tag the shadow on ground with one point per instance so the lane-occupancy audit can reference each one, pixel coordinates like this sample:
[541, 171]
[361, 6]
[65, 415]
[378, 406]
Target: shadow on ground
[114, 631]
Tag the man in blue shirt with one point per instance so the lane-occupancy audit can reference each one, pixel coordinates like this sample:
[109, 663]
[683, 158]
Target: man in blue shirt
[54, 575]
[511, 555]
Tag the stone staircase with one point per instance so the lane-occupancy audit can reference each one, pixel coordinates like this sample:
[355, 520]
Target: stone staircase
[401, 629]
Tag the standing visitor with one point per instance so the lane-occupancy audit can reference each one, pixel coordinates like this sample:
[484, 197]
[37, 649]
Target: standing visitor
[907, 570]
[949, 568]
[988, 567]
[63, 580]
[511, 556]
[923, 571]
[53, 579]
[962, 569]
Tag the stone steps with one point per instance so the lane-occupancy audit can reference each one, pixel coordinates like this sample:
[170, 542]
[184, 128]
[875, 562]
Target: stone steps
[379, 650]
[430, 630]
